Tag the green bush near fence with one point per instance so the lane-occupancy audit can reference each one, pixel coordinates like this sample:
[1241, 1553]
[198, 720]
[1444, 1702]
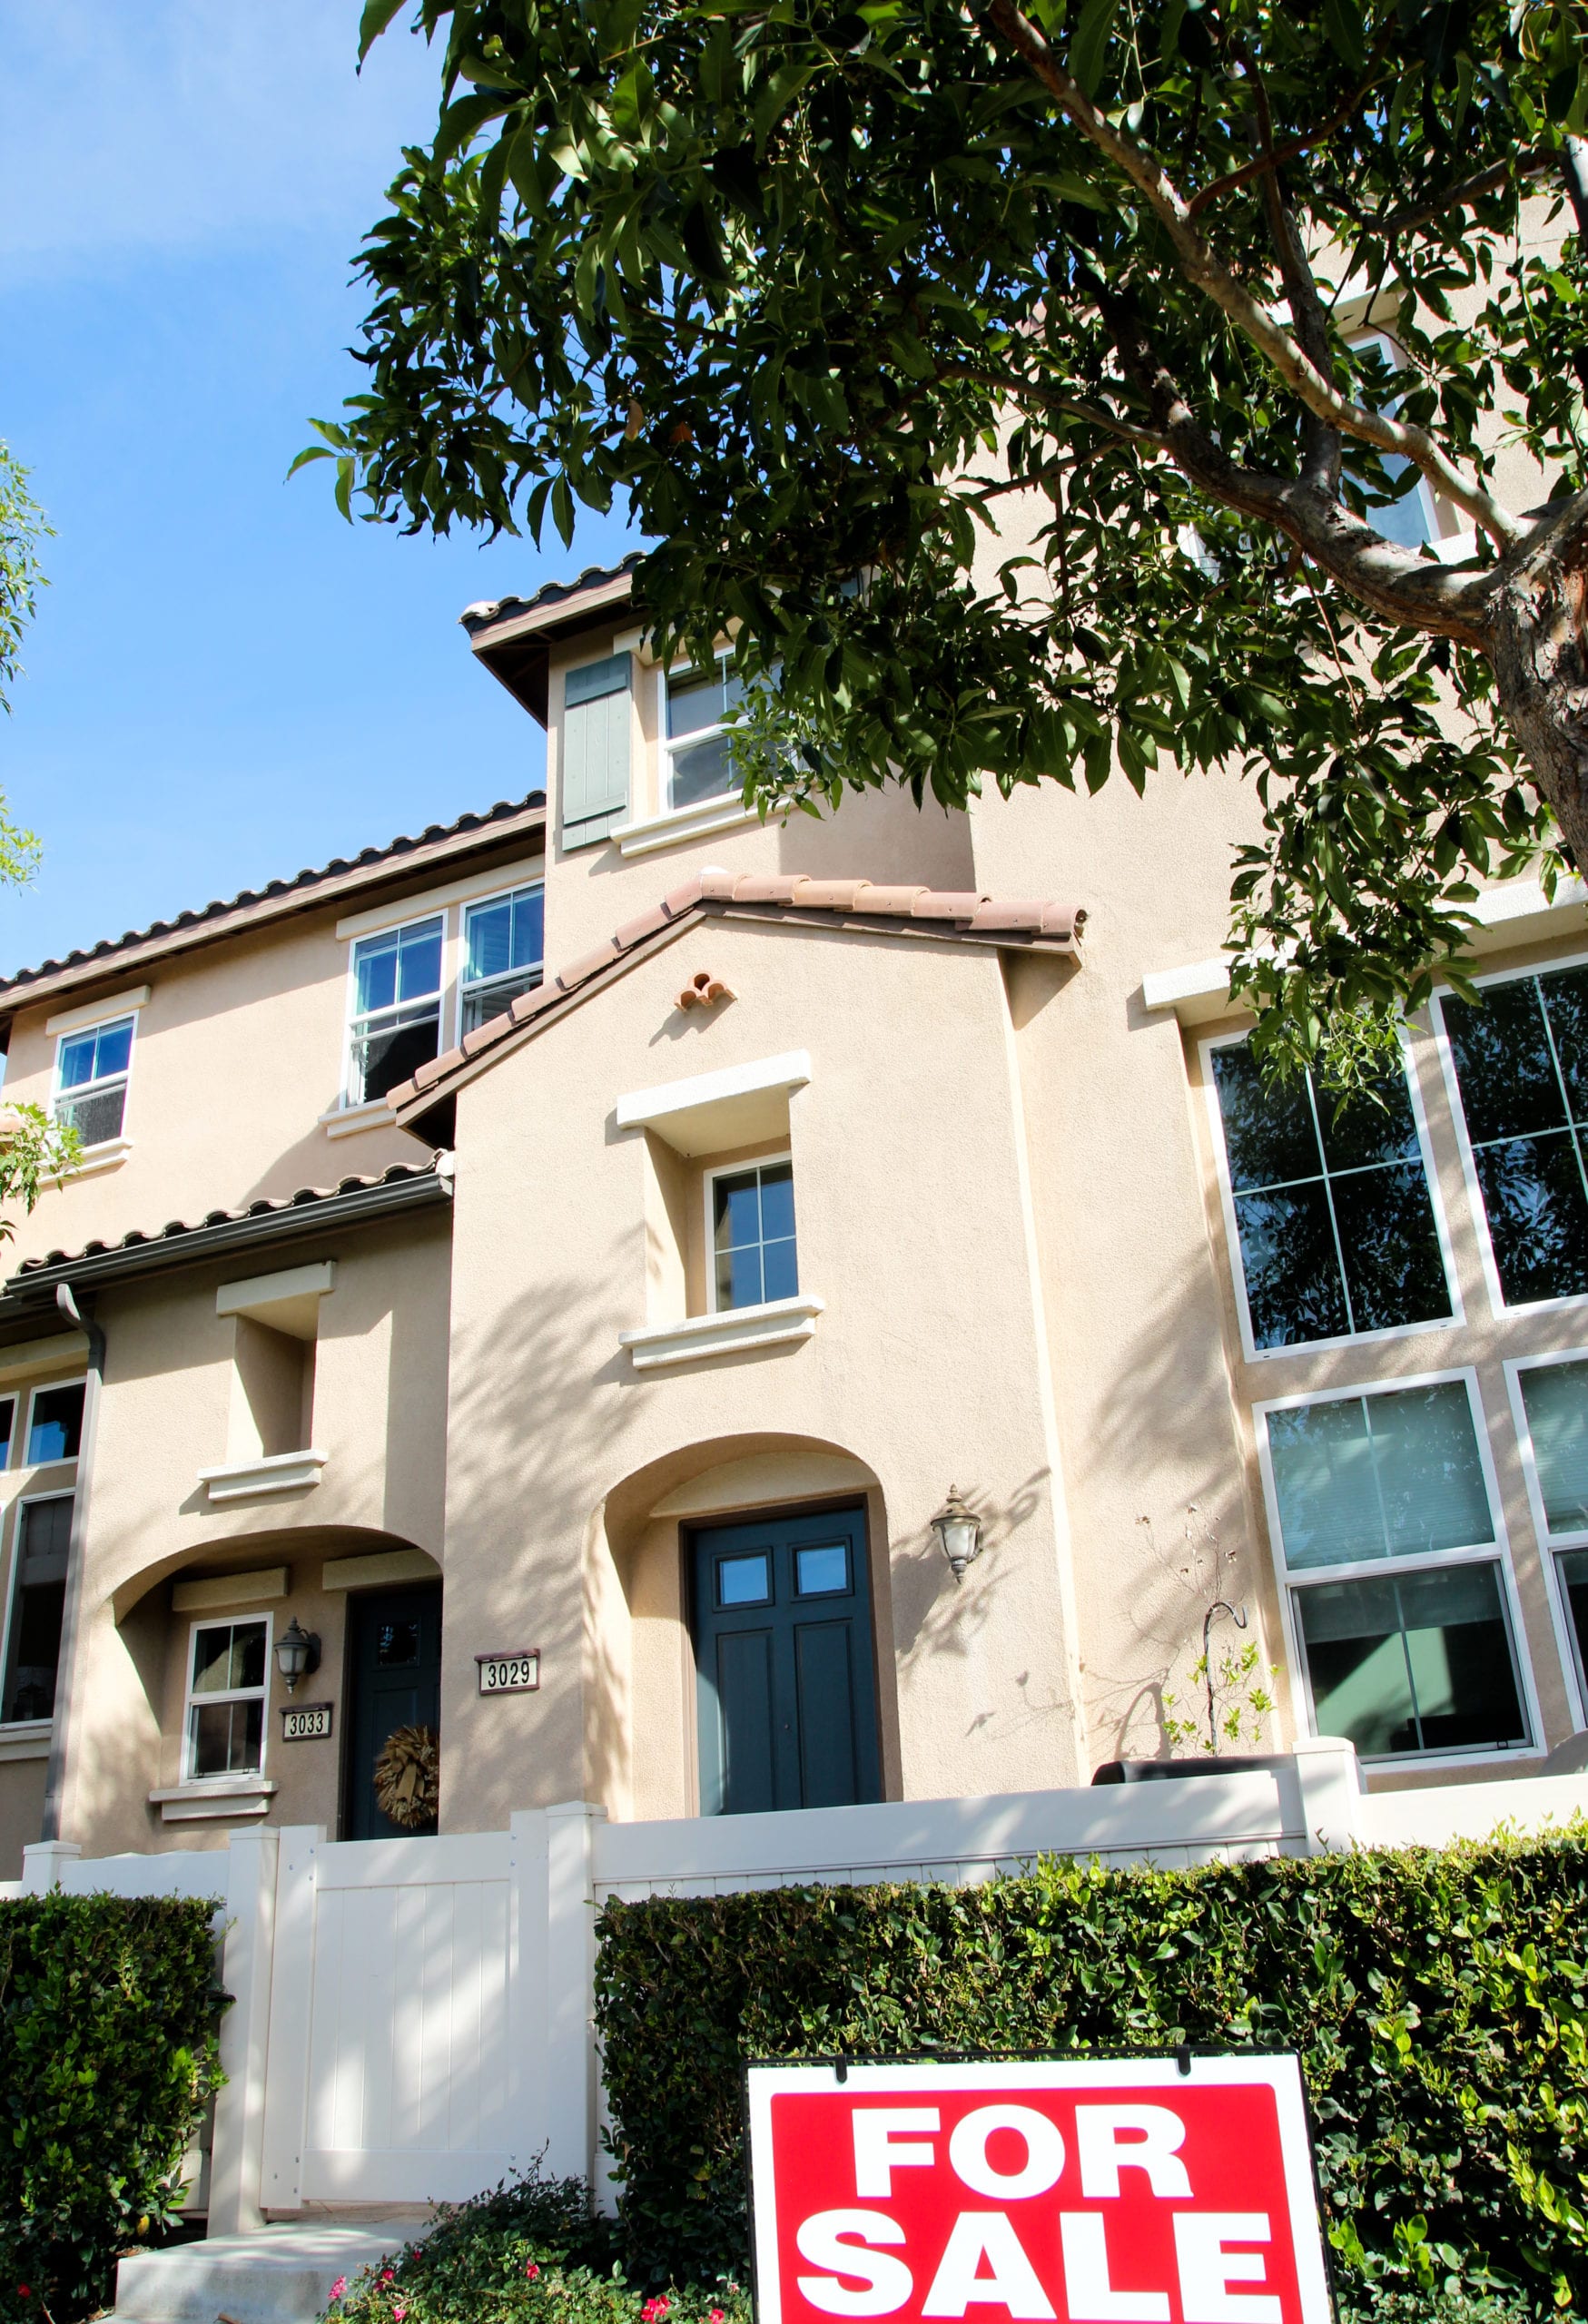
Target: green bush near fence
[108, 2009]
[1438, 2000]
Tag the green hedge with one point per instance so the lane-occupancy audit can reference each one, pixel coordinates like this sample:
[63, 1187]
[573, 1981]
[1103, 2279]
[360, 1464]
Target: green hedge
[107, 2054]
[1436, 1999]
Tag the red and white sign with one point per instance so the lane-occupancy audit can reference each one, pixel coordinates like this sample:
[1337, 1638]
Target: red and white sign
[1098, 2192]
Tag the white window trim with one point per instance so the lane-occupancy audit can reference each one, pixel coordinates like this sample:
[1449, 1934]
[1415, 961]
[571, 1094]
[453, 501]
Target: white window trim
[105, 1152]
[1495, 1552]
[1480, 1216]
[379, 920]
[732, 1331]
[44, 1388]
[665, 746]
[12, 1518]
[336, 1118]
[189, 1782]
[99, 1012]
[14, 1397]
[473, 904]
[708, 1183]
[1550, 1545]
[1249, 1350]
[1356, 335]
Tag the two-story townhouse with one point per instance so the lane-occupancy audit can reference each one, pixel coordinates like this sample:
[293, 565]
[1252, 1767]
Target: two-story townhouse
[623, 1225]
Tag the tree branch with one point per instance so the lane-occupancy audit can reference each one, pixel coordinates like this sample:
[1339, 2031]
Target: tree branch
[1207, 272]
[1320, 462]
[1274, 157]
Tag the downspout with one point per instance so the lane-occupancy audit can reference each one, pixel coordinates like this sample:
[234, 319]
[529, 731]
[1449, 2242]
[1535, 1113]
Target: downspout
[76, 1548]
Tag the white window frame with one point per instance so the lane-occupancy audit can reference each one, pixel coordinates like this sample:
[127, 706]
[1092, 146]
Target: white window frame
[12, 1397]
[124, 1015]
[1550, 1545]
[446, 981]
[44, 1388]
[12, 1519]
[1496, 1552]
[232, 1695]
[1254, 1355]
[1422, 492]
[483, 903]
[1474, 1193]
[708, 1184]
[666, 743]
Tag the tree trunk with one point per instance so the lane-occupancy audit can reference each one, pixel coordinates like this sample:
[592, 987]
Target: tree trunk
[1540, 653]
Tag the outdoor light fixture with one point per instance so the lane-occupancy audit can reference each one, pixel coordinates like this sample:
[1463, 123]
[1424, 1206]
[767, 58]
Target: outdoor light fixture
[297, 1653]
[959, 1532]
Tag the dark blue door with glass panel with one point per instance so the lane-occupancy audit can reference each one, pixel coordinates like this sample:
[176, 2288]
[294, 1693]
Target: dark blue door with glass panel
[782, 1652]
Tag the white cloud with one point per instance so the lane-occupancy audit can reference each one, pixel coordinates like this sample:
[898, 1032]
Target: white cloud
[136, 129]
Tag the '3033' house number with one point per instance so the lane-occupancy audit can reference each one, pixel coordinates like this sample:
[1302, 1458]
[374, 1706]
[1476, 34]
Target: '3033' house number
[515, 1673]
[305, 1722]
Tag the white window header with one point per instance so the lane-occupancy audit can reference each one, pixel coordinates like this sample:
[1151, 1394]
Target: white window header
[713, 1113]
[502, 880]
[98, 1012]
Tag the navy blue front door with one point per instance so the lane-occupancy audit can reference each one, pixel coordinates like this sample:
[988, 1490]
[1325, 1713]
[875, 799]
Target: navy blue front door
[782, 1654]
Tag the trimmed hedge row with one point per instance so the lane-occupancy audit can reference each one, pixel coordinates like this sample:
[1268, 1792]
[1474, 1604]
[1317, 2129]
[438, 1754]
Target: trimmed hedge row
[1438, 2001]
[107, 2054]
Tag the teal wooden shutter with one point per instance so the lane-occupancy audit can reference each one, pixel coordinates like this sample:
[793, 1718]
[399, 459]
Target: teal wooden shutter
[596, 729]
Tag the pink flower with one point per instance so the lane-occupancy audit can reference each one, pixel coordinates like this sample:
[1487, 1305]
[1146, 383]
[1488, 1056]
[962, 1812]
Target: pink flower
[340, 2287]
[532, 2271]
[717, 2317]
[655, 2310]
[398, 2314]
[387, 2276]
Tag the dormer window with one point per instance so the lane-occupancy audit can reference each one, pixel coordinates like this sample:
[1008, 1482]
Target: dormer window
[91, 1079]
[397, 1008]
[696, 758]
[504, 946]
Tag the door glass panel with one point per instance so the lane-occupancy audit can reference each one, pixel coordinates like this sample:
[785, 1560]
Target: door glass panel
[743, 1581]
[823, 1569]
[397, 1645]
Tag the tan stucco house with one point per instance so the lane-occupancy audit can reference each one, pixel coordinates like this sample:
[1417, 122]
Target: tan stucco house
[561, 1265]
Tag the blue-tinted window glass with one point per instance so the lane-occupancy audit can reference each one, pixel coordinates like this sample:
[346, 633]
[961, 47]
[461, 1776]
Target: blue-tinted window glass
[1521, 1059]
[404, 964]
[1333, 1214]
[55, 1431]
[77, 1062]
[822, 1571]
[753, 1233]
[743, 1581]
[1391, 1475]
[7, 1424]
[505, 936]
[94, 1056]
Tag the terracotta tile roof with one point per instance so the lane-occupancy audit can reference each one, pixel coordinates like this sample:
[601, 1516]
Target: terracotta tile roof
[269, 1219]
[489, 610]
[855, 905]
[213, 920]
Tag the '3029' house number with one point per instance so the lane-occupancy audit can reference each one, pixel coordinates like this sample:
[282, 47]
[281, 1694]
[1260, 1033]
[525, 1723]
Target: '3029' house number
[518, 1673]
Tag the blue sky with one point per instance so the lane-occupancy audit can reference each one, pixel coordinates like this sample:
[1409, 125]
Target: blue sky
[226, 683]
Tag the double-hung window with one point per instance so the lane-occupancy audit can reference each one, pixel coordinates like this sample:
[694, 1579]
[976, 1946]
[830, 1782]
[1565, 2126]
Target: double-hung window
[1551, 1396]
[752, 1220]
[228, 1669]
[397, 1007]
[697, 760]
[1520, 1061]
[91, 1080]
[1333, 1221]
[40, 1542]
[504, 946]
[1383, 1516]
[1410, 520]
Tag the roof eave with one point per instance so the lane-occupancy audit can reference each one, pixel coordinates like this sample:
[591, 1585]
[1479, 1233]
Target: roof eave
[515, 648]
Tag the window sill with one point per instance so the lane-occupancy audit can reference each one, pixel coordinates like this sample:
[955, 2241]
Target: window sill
[347, 1121]
[109, 1153]
[271, 1473]
[228, 1796]
[724, 813]
[25, 1739]
[737, 1332]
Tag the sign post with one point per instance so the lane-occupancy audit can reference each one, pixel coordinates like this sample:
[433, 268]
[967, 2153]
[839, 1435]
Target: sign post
[1093, 2191]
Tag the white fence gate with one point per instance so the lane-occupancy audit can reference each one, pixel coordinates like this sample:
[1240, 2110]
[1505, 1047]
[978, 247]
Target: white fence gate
[411, 2019]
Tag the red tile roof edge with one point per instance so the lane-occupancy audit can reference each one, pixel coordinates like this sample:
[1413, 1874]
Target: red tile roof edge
[858, 906]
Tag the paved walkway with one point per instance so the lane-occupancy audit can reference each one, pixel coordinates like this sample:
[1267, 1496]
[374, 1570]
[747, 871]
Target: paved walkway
[283, 2275]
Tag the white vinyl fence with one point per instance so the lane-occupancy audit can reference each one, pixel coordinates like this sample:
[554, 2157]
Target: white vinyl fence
[411, 2019]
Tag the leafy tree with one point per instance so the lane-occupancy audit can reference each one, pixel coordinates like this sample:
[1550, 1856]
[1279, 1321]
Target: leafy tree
[34, 1150]
[1000, 379]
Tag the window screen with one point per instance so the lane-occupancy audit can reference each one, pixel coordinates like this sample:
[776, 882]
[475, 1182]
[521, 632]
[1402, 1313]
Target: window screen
[1333, 1214]
[91, 1071]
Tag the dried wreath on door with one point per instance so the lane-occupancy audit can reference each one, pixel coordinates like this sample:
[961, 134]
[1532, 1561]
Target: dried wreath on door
[408, 1777]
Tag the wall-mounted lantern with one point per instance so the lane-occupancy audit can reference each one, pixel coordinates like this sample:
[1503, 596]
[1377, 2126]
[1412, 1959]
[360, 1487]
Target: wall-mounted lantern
[297, 1653]
[959, 1532]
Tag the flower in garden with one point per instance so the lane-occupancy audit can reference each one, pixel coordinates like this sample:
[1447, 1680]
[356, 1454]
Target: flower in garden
[387, 2276]
[398, 2314]
[655, 2310]
[717, 2317]
[24, 2292]
[532, 2271]
[340, 2287]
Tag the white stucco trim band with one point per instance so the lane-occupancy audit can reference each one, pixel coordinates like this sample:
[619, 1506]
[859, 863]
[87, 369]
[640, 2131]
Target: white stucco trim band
[256, 1588]
[713, 1113]
[25, 1739]
[271, 1472]
[645, 834]
[735, 1332]
[230, 1796]
[107, 1155]
[99, 1012]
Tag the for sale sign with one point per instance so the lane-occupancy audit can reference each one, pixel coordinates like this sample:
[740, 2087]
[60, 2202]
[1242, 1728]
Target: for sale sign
[1101, 2191]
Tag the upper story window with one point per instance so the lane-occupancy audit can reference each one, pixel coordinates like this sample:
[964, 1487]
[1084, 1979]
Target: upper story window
[696, 761]
[751, 1219]
[1332, 1217]
[1412, 520]
[228, 1673]
[397, 1007]
[91, 1079]
[504, 947]
[39, 1550]
[1521, 1067]
[54, 1424]
[1384, 1521]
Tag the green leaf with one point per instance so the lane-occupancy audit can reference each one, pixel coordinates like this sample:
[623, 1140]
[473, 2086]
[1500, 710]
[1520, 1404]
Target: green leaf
[377, 15]
[1347, 32]
[1089, 50]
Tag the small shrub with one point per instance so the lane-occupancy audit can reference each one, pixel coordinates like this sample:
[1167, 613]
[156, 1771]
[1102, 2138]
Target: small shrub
[107, 2055]
[529, 2252]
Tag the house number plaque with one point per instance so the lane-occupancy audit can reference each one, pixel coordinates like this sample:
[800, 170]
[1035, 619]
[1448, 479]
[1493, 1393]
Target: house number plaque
[509, 1674]
[305, 1722]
